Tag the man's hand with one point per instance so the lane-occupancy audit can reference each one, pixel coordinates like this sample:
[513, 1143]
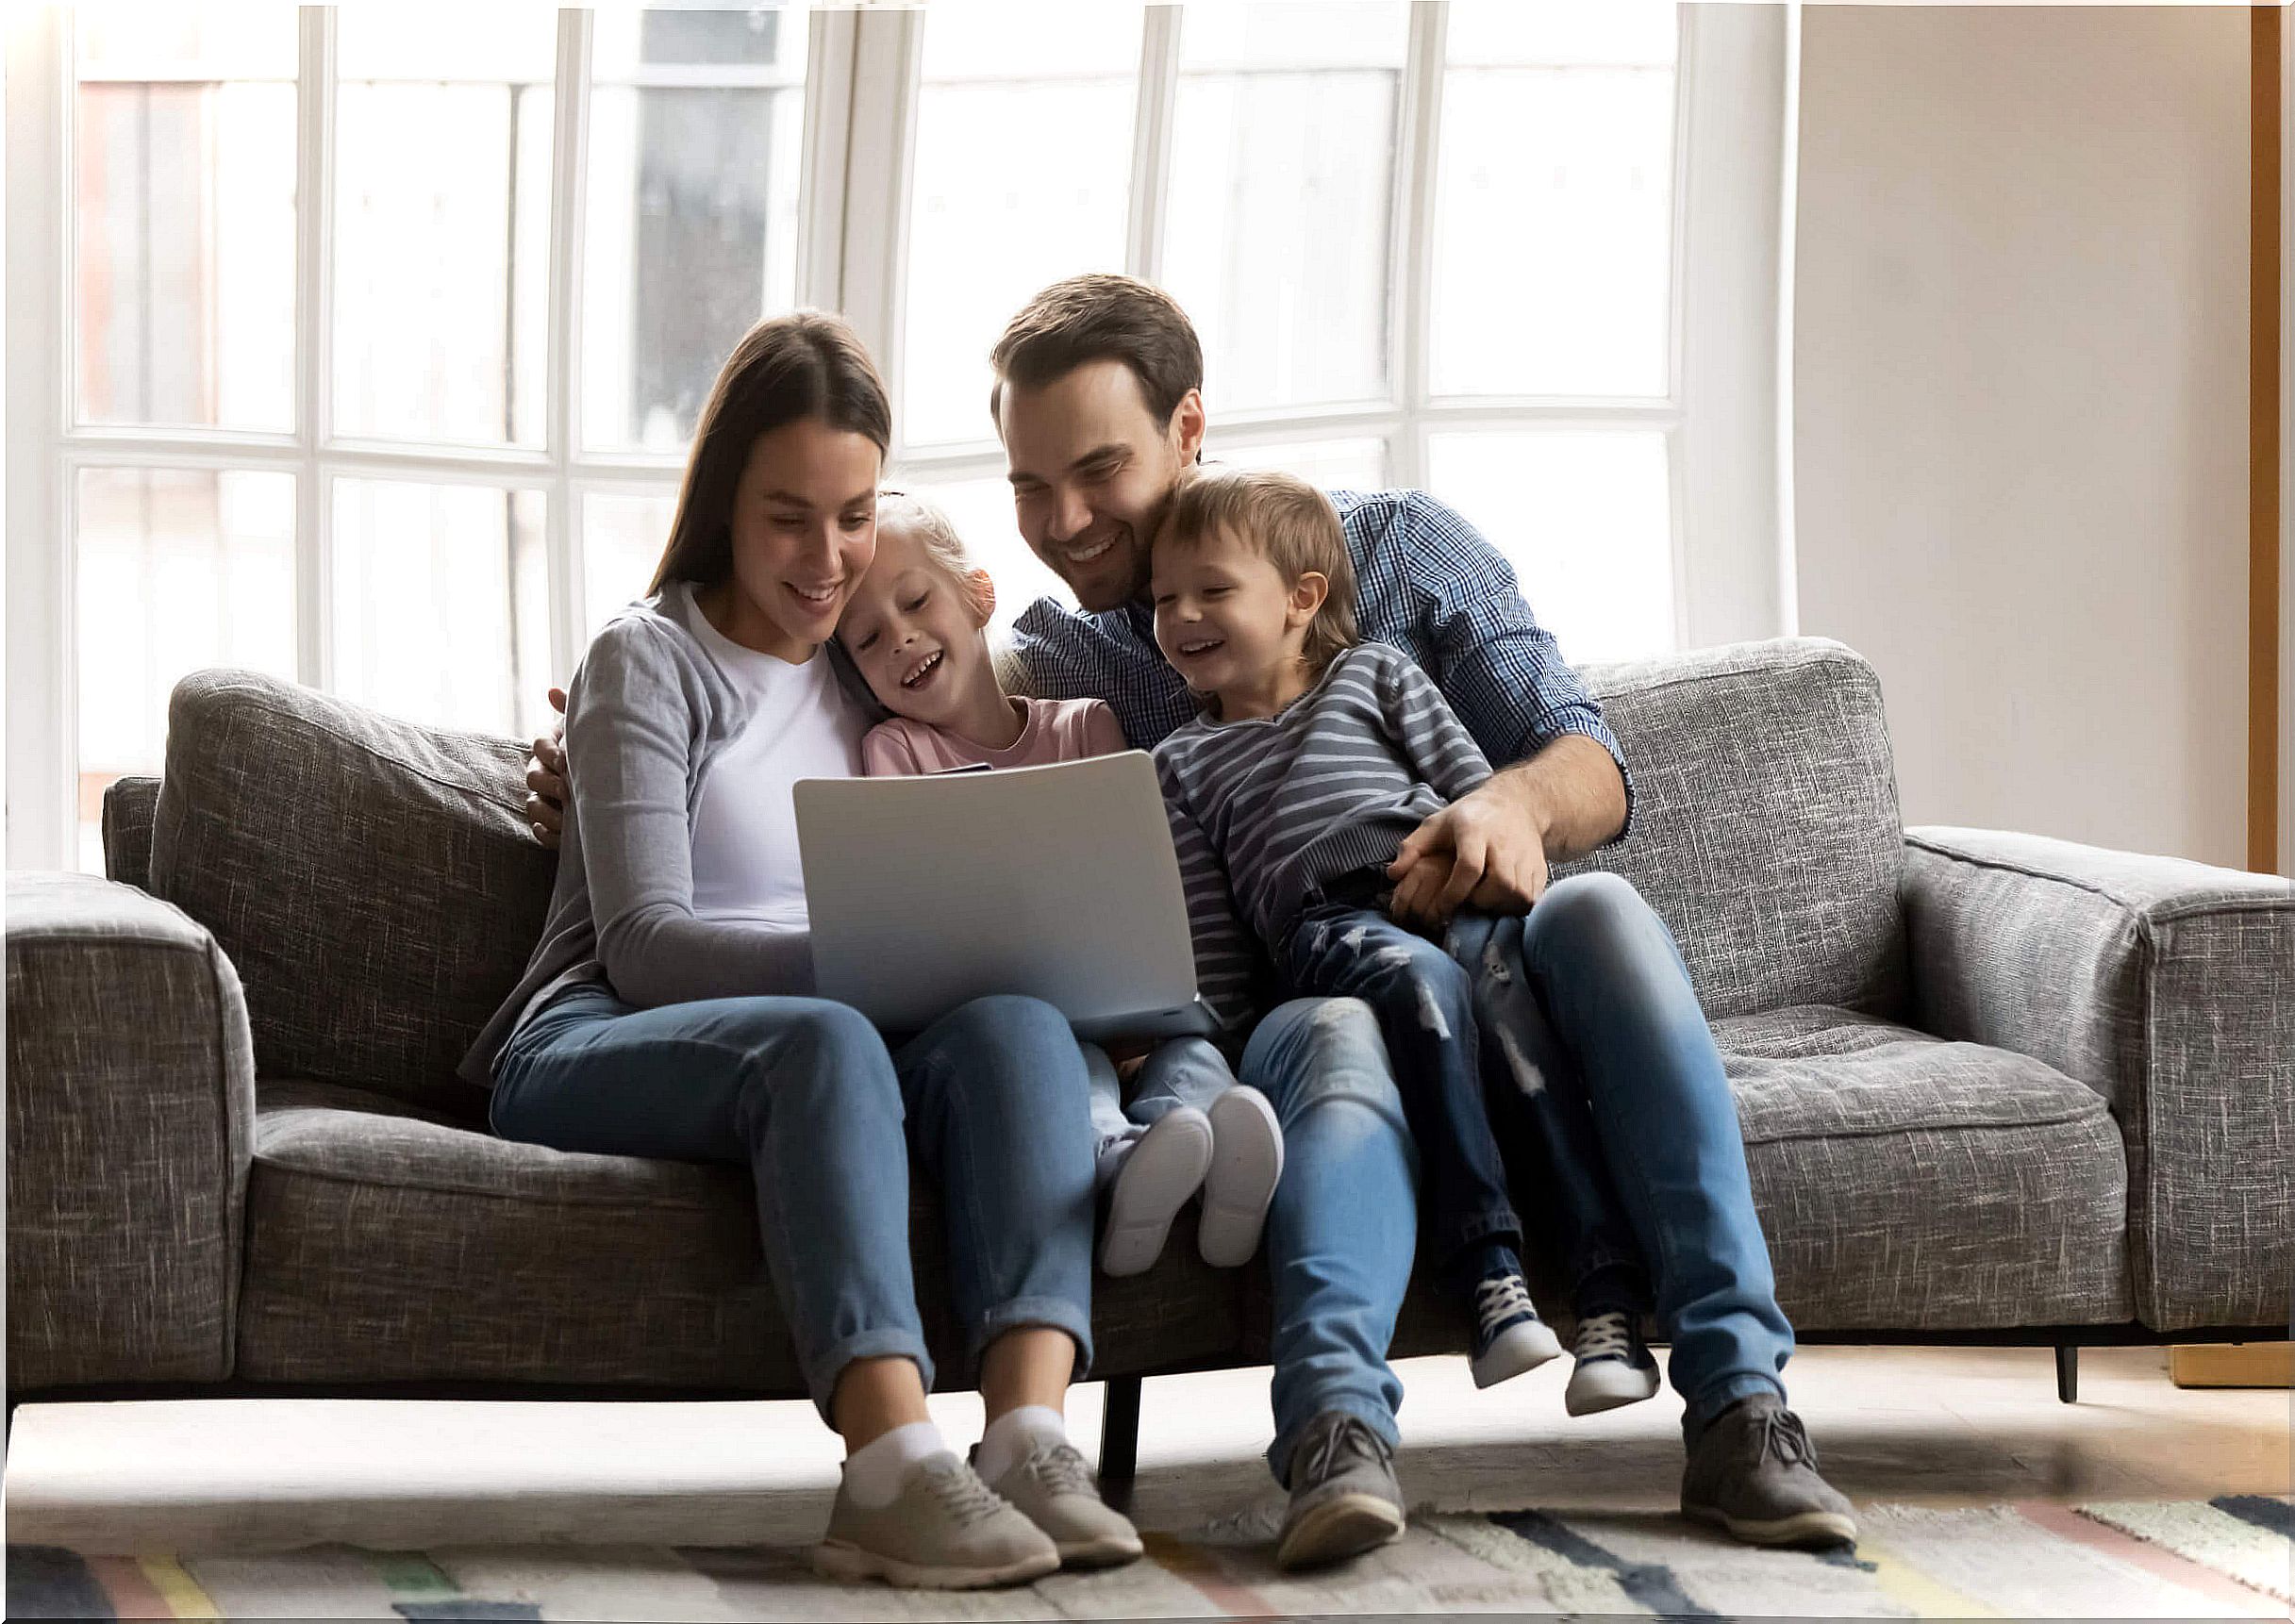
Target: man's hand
[1486, 849]
[546, 778]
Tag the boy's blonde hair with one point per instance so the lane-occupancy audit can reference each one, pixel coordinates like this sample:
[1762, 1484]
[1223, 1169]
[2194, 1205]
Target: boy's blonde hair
[930, 524]
[1288, 522]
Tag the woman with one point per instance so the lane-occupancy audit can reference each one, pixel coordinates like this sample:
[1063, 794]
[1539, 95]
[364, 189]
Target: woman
[666, 1011]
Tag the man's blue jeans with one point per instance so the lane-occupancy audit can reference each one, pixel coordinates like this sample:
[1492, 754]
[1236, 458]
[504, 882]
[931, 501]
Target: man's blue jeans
[804, 1093]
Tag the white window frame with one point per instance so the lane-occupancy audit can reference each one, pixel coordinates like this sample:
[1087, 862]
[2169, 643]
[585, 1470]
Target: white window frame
[1722, 418]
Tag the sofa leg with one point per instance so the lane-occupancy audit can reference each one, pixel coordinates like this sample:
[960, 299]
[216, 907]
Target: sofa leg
[1120, 1441]
[2068, 1372]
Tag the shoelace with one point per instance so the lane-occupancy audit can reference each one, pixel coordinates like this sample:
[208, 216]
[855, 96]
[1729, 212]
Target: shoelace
[1322, 1453]
[1499, 1297]
[1604, 1337]
[964, 1497]
[1783, 1435]
[1061, 1469]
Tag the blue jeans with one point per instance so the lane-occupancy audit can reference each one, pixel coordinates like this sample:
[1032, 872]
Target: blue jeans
[1423, 999]
[1621, 1005]
[1181, 1071]
[989, 1099]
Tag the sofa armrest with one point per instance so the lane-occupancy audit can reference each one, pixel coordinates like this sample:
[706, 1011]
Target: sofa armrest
[2169, 987]
[131, 1111]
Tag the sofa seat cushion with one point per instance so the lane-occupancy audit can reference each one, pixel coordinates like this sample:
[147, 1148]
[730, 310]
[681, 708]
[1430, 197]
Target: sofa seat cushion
[1906, 1182]
[386, 1245]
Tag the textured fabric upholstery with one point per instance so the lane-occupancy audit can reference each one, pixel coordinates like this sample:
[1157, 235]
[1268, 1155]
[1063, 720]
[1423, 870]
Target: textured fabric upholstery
[128, 805]
[131, 1101]
[374, 882]
[2166, 987]
[1767, 835]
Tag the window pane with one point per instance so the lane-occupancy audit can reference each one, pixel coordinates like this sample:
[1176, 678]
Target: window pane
[982, 512]
[1051, 80]
[1334, 464]
[1277, 228]
[696, 127]
[622, 535]
[1554, 205]
[1587, 520]
[178, 570]
[442, 139]
[185, 278]
[442, 604]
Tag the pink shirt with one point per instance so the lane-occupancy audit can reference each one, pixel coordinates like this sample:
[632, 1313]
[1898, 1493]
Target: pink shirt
[1054, 730]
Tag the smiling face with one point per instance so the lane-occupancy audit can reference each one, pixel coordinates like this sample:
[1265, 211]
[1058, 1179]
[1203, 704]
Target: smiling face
[1227, 620]
[804, 529]
[918, 636]
[1091, 470]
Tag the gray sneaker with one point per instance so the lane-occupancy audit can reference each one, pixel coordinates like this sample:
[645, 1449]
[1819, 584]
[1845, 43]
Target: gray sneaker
[1753, 1471]
[1344, 1499]
[946, 1531]
[1052, 1487]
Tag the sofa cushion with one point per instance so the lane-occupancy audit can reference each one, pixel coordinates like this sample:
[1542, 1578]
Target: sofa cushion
[384, 1247]
[373, 882]
[1906, 1182]
[1766, 830]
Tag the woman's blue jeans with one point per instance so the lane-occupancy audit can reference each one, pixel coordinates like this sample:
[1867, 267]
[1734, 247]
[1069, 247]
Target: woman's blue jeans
[991, 1101]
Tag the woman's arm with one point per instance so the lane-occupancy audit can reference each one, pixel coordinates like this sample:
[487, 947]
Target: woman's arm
[629, 738]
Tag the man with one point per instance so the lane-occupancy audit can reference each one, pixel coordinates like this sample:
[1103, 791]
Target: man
[1098, 401]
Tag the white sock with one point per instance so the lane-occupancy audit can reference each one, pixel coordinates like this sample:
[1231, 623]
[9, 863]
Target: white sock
[1114, 1150]
[1012, 1434]
[874, 1472]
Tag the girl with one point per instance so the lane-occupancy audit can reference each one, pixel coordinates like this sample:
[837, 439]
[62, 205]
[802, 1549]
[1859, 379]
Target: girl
[666, 1010]
[917, 628]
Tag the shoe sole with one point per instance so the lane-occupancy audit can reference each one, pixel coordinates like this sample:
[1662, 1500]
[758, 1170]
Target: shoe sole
[1111, 1551]
[1164, 1168]
[853, 1564]
[1812, 1530]
[1246, 1166]
[1592, 1400]
[1342, 1527]
[1522, 1348]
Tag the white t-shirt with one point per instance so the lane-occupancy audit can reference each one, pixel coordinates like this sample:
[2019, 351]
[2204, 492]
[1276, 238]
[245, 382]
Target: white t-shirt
[745, 863]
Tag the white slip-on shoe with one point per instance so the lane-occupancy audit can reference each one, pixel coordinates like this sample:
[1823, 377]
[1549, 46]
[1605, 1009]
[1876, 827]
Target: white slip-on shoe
[1246, 1165]
[1165, 1167]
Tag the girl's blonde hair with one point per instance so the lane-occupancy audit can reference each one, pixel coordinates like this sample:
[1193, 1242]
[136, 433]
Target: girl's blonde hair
[930, 524]
[1291, 524]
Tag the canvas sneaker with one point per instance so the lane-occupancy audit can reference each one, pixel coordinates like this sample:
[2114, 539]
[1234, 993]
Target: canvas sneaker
[1052, 1487]
[1753, 1471]
[1344, 1497]
[945, 1530]
[1246, 1165]
[1614, 1365]
[1509, 1337]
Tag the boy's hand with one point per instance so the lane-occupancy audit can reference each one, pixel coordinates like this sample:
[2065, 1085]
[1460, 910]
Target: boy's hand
[546, 779]
[1489, 853]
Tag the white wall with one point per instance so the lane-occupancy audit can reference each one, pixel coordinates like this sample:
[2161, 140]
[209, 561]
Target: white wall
[2020, 407]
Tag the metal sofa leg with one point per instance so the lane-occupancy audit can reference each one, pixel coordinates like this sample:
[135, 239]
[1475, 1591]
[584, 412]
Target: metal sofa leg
[1120, 1441]
[2068, 1372]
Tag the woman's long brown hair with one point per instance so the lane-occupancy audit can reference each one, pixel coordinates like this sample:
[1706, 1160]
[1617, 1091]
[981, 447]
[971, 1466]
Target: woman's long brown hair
[807, 364]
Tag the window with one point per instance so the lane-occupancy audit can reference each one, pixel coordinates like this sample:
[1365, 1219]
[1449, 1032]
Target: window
[373, 341]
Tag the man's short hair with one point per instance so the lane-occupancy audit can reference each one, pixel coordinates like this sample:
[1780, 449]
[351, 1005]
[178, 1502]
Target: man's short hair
[1285, 520]
[1094, 317]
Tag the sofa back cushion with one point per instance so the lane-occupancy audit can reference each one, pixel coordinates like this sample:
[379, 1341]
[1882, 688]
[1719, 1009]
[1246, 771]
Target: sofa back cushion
[373, 882]
[1766, 829]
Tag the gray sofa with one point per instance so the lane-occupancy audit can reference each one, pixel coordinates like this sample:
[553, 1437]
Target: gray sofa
[1992, 1087]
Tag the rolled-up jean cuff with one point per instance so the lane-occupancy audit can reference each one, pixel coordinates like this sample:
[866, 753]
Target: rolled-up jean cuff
[1055, 1312]
[1368, 1411]
[1719, 1395]
[886, 1343]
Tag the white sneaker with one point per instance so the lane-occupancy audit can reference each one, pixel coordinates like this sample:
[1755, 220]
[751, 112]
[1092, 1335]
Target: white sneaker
[1615, 1365]
[1165, 1166]
[1246, 1165]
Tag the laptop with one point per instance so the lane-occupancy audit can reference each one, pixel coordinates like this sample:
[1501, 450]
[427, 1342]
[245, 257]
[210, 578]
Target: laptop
[1057, 882]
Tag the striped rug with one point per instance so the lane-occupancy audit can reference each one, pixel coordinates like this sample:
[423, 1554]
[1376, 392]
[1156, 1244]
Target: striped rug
[2223, 1558]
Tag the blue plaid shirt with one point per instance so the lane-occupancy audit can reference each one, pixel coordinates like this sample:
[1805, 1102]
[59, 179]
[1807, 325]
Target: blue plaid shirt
[1425, 580]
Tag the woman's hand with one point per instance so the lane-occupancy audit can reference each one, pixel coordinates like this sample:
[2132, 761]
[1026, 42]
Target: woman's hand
[546, 778]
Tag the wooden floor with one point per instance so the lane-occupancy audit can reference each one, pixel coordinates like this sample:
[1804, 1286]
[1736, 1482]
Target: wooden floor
[1922, 1425]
